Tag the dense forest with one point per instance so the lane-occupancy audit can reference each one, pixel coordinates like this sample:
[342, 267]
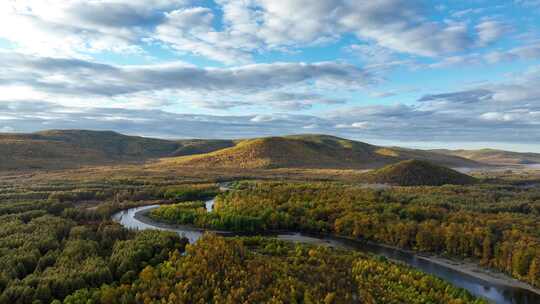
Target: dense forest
[259, 270]
[58, 245]
[55, 240]
[194, 213]
[498, 226]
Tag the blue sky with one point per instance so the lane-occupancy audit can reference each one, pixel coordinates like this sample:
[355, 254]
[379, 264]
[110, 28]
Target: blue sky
[415, 73]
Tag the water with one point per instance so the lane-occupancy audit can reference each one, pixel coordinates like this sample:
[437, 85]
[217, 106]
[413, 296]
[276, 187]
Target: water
[209, 205]
[500, 294]
[129, 220]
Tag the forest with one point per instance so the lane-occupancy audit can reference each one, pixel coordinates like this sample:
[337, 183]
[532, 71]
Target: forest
[57, 237]
[260, 270]
[58, 245]
[194, 213]
[496, 226]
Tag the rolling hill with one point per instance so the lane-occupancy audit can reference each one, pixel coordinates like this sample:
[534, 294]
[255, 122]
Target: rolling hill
[495, 157]
[200, 146]
[416, 173]
[311, 151]
[58, 149]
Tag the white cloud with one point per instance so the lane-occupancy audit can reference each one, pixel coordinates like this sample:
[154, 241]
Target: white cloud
[394, 24]
[79, 27]
[530, 51]
[71, 28]
[468, 11]
[493, 112]
[490, 31]
[496, 116]
[354, 125]
[190, 30]
[360, 125]
[290, 86]
[67, 87]
[262, 118]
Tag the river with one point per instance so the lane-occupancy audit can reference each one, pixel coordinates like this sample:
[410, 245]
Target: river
[135, 218]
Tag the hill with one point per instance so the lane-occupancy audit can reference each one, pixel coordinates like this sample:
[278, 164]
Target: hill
[58, 149]
[416, 173]
[200, 146]
[310, 151]
[495, 157]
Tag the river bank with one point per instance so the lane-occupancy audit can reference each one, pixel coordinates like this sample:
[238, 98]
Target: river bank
[422, 261]
[473, 269]
[470, 268]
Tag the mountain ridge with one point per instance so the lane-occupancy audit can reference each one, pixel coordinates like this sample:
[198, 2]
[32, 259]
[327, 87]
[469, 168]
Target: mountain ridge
[495, 156]
[59, 149]
[310, 151]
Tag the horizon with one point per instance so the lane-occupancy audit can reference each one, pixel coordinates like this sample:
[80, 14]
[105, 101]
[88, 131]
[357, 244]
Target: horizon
[416, 74]
[520, 148]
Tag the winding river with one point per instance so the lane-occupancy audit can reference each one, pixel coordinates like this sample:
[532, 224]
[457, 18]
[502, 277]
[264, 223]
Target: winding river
[500, 293]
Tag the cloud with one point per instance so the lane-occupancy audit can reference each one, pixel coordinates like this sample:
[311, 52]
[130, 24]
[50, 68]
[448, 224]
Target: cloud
[528, 3]
[491, 112]
[72, 28]
[52, 78]
[153, 122]
[503, 112]
[529, 51]
[464, 97]
[354, 125]
[278, 84]
[498, 112]
[233, 31]
[190, 30]
[397, 25]
[79, 76]
[496, 116]
[490, 31]
[468, 11]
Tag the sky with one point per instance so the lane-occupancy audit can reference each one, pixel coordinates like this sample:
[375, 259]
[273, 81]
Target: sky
[427, 74]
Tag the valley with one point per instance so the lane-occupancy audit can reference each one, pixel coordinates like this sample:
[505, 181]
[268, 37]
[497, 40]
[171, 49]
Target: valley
[403, 225]
[480, 281]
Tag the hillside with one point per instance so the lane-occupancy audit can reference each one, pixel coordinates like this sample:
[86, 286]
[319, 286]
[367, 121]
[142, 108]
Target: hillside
[495, 157]
[416, 173]
[310, 151]
[200, 146]
[58, 149]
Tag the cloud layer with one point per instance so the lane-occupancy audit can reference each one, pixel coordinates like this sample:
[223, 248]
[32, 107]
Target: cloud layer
[242, 28]
[499, 112]
[73, 78]
[385, 69]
